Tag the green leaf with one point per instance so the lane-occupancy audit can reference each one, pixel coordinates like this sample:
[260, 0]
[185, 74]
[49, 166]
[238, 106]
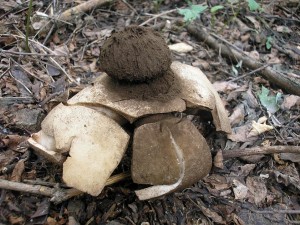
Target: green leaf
[268, 101]
[216, 8]
[253, 5]
[193, 12]
[269, 42]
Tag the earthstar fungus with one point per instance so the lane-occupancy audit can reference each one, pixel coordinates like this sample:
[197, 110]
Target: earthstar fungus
[144, 88]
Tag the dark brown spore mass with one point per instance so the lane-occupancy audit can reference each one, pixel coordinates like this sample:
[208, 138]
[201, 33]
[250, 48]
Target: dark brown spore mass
[136, 54]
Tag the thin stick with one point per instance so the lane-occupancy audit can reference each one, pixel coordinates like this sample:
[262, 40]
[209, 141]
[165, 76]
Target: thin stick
[252, 72]
[57, 194]
[30, 53]
[33, 189]
[156, 16]
[260, 151]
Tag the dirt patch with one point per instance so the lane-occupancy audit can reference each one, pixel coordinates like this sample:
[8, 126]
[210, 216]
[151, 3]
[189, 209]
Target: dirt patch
[135, 54]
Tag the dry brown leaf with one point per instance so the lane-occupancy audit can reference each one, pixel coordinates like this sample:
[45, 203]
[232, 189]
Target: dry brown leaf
[244, 170]
[238, 115]
[18, 170]
[8, 5]
[237, 220]
[240, 134]
[250, 98]
[257, 188]
[203, 64]
[290, 101]
[218, 160]
[234, 94]
[217, 182]
[259, 127]
[240, 190]
[225, 86]
[211, 214]
[288, 175]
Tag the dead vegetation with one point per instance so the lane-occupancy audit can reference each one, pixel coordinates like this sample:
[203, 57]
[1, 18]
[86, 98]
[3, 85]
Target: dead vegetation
[250, 56]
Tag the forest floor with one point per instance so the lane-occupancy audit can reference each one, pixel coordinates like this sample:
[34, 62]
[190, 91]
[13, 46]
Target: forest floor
[249, 50]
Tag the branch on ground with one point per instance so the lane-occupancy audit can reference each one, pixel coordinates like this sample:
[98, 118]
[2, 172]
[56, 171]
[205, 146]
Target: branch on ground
[81, 8]
[56, 194]
[260, 151]
[289, 84]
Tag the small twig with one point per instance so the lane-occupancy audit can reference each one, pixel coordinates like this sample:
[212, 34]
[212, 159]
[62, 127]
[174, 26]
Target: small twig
[27, 25]
[260, 151]
[130, 6]
[43, 183]
[2, 74]
[30, 53]
[20, 82]
[228, 43]
[57, 194]
[250, 73]
[25, 70]
[156, 16]
[13, 100]
[282, 211]
[34, 189]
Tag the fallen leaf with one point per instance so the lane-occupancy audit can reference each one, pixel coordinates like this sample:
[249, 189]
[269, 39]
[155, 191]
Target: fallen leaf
[225, 86]
[257, 188]
[218, 160]
[290, 101]
[203, 64]
[270, 102]
[234, 94]
[211, 214]
[52, 70]
[42, 210]
[240, 190]
[288, 175]
[249, 97]
[245, 170]
[259, 127]
[8, 5]
[217, 182]
[240, 134]
[18, 170]
[238, 115]
[181, 47]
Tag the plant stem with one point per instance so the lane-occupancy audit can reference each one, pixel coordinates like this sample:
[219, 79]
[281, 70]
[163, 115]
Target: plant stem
[27, 25]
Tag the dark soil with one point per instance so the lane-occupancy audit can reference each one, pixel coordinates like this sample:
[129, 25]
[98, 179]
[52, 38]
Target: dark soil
[135, 54]
[259, 189]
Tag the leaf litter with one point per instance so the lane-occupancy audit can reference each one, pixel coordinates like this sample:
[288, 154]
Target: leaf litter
[66, 62]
